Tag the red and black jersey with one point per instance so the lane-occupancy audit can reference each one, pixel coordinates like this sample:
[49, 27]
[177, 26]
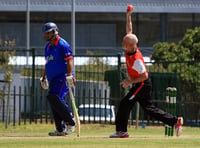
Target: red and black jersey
[135, 64]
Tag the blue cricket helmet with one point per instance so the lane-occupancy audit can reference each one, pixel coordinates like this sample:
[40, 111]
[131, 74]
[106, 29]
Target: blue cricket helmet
[48, 27]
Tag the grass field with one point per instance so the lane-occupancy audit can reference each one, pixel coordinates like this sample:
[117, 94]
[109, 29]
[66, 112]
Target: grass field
[95, 136]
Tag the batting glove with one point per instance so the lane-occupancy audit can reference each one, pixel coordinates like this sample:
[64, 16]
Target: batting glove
[70, 81]
[44, 83]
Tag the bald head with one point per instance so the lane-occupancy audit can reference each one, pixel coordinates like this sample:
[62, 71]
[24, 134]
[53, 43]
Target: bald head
[131, 38]
[129, 42]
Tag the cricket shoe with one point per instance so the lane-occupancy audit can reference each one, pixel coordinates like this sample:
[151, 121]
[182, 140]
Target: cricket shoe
[57, 133]
[69, 129]
[119, 134]
[179, 126]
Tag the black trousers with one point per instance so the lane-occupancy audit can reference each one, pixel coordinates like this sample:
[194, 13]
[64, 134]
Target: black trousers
[142, 93]
[60, 112]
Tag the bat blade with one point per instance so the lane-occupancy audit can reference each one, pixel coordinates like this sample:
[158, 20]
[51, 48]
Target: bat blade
[78, 124]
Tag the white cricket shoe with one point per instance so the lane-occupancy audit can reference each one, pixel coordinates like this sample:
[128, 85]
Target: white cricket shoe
[120, 134]
[69, 129]
[179, 126]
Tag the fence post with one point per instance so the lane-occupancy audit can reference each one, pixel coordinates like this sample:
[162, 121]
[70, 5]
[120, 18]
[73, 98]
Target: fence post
[20, 94]
[32, 87]
[8, 105]
[137, 113]
[14, 106]
[119, 71]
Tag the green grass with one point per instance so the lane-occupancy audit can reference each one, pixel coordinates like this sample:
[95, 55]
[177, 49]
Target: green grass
[95, 136]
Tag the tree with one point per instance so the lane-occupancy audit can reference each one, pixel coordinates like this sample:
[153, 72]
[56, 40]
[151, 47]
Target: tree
[183, 58]
[188, 49]
[6, 52]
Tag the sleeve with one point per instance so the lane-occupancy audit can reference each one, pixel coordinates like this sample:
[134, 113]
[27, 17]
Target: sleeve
[139, 66]
[67, 53]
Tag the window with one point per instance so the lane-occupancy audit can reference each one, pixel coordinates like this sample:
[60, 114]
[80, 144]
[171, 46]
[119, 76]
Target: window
[148, 29]
[177, 26]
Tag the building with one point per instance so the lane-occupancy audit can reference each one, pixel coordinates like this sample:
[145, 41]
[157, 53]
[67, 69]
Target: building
[100, 27]
[100, 24]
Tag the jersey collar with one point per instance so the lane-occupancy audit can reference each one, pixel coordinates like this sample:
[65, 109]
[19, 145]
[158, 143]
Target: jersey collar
[56, 42]
[132, 53]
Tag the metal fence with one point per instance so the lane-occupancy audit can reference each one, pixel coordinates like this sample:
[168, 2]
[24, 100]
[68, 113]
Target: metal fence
[98, 91]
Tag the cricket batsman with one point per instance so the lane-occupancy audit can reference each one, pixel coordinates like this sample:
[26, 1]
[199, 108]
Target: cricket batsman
[58, 66]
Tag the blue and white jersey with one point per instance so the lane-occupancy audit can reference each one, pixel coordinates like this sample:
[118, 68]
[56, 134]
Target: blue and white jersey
[56, 58]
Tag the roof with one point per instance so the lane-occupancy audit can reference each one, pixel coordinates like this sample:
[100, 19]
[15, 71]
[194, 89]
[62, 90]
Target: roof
[102, 6]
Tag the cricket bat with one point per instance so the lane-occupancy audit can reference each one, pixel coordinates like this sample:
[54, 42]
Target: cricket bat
[70, 84]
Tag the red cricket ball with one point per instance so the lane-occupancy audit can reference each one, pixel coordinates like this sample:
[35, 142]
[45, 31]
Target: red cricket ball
[130, 8]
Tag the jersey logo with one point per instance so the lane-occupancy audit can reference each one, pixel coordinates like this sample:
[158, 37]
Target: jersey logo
[68, 54]
[50, 58]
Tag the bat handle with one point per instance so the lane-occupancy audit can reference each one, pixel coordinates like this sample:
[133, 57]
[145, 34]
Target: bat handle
[44, 75]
